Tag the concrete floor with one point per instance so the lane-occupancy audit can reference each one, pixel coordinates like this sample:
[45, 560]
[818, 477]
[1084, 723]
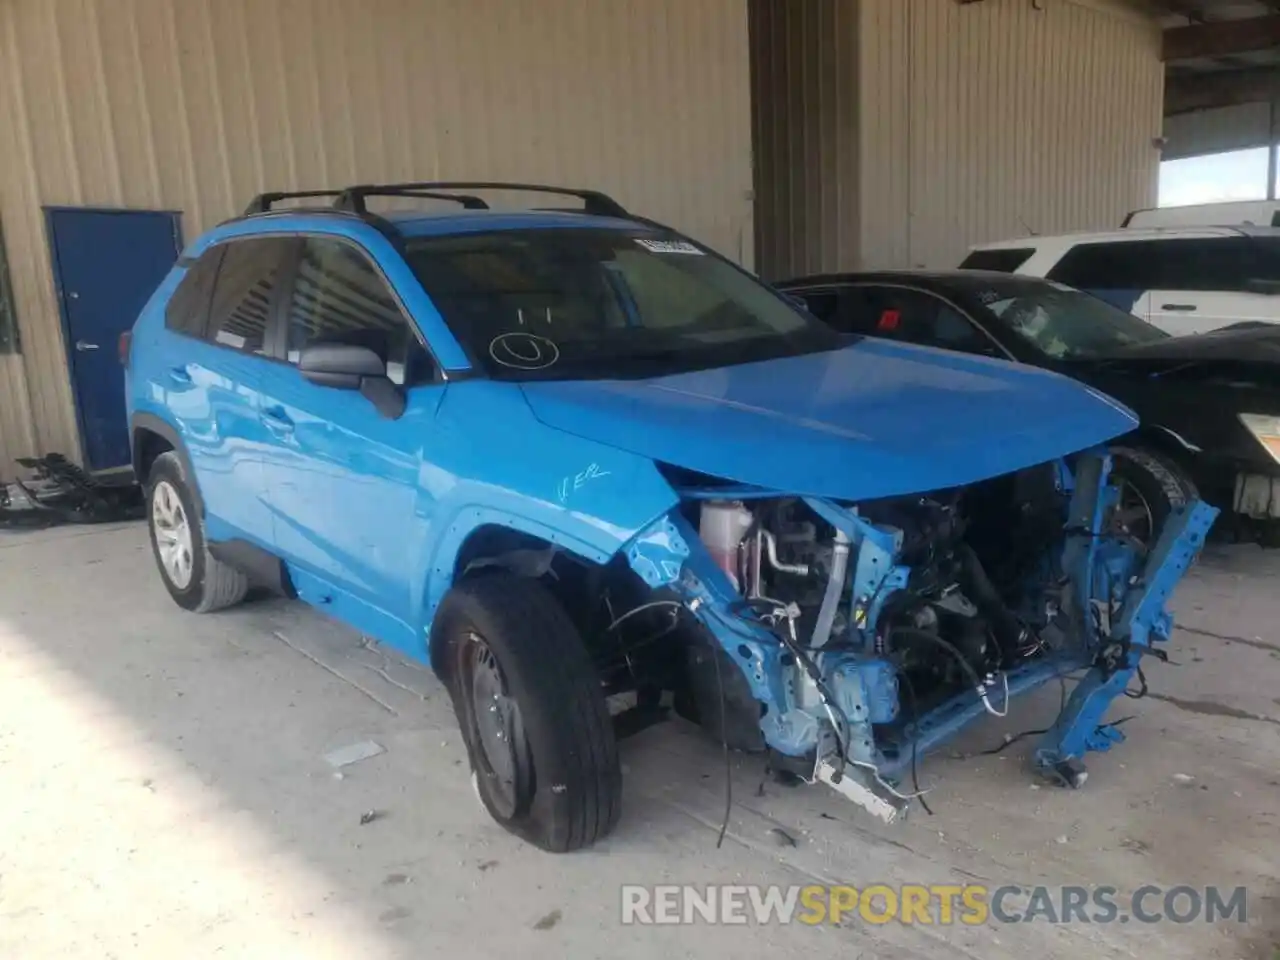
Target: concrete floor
[163, 794]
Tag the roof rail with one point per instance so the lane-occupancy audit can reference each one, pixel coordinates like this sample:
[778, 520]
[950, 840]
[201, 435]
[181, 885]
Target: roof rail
[262, 202]
[468, 201]
[594, 202]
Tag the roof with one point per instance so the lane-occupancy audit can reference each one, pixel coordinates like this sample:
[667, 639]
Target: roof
[925, 278]
[916, 276]
[1130, 234]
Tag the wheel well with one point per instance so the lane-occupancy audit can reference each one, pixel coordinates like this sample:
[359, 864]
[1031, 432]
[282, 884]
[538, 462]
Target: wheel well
[493, 544]
[491, 547]
[1160, 442]
[147, 445]
[572, 579]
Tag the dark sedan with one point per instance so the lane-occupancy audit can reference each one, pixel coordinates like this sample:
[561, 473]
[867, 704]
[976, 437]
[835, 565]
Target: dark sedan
[1209, 404]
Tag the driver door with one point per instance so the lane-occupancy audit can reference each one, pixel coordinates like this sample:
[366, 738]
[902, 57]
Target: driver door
[341, 478]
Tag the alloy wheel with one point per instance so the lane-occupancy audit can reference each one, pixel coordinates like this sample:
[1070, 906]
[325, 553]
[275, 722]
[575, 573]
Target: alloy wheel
[172, 530]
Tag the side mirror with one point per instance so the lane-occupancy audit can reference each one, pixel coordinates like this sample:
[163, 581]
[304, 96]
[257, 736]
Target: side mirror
[344, 366]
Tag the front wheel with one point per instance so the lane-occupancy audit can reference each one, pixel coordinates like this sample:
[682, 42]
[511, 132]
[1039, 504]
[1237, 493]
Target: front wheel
[1151, 487]
[528, 700]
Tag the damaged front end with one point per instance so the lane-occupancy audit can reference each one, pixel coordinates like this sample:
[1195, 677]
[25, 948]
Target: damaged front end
[849, 639]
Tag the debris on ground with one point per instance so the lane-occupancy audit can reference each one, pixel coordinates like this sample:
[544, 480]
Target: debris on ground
[781, 837]
[369, 816]
[60, 492]
[549, 921]
[353, 753]
[1183, 778]
[1134, 845]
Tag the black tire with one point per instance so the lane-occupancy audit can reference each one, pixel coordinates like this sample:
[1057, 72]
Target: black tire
[567, 789]
[1160, 485]
[212, 584]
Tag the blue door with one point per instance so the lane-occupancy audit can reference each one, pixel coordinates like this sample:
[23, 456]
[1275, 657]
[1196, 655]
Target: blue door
[106, 264]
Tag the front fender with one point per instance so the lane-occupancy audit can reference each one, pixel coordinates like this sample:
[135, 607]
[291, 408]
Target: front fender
[583, 496]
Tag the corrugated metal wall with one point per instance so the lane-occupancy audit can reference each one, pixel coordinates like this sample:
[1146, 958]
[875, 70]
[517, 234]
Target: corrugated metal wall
[995, 119]
[972, 122]
[1238, 127]
[197, 104]
[804, 85]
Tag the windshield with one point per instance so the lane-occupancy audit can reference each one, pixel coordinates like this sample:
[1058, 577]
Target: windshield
[1062, 322]
[574, 303]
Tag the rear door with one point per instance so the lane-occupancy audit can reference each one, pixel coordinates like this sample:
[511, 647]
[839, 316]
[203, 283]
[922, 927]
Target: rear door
[218, 360]
[1209, 283]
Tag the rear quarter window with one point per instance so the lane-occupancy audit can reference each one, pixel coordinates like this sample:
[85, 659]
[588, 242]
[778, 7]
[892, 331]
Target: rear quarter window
[1001, 261]
[188, 308]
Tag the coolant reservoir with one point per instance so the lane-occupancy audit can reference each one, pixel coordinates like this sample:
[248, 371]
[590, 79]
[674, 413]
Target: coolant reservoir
[721, 527]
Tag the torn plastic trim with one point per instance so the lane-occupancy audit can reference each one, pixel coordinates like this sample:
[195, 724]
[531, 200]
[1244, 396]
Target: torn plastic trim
[669, 554]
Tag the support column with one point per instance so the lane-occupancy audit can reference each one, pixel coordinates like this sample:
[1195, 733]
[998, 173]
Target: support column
[1273, 143]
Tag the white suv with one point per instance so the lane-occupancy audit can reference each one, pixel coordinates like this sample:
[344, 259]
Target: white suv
[1185, 280]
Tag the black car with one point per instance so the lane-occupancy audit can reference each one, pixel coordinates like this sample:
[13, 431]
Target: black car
[1209, 403]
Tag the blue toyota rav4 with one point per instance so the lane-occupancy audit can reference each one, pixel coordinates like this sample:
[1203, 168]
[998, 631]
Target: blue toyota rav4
[592, 471]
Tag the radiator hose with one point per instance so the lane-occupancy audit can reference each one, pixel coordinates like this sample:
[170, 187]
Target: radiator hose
[1010, 634]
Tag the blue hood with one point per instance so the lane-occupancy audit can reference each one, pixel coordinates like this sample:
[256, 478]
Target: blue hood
[871, 420]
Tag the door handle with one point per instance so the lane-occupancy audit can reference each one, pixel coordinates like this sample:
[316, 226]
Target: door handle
[277, 420]
[82, 346]
[1179, 307]
[179, 375]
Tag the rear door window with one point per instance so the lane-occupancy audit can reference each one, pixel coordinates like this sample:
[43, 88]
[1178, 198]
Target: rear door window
[1001, 261]
[1124, 265]
[914, 316]
[1202, 265]
[1226, 264]
[245, 292]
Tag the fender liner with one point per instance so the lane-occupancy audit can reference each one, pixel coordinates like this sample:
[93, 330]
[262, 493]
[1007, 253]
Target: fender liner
[469, 519]
[162, 428]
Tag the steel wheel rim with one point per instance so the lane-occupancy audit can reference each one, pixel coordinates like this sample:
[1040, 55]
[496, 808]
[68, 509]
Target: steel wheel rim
[1132, 515]
[499, 730]
[172, 530]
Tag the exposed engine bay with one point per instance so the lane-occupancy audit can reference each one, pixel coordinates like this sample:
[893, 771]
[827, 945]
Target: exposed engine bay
[848, 639]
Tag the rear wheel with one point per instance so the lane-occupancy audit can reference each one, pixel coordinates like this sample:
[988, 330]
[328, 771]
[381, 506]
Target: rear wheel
[1151, 487]
[528, 700]
[195, 579]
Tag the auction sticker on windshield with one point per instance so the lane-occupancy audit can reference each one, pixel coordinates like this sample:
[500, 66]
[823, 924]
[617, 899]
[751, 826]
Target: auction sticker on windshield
[670, 246]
